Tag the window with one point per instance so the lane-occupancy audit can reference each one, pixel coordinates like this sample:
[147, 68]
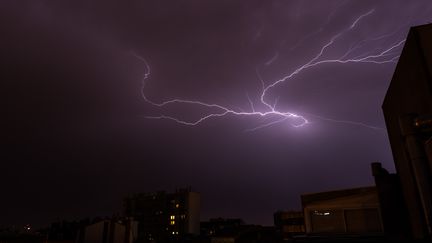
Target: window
[172, 222]
[321, 213]
[177, 205]
[325, 221]
[172, 217]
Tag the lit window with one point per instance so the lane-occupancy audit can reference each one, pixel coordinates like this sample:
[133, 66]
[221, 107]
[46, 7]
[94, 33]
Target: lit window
[177, 205]
[173, 232]
[172, 217]
[321, 213]
[172, 222]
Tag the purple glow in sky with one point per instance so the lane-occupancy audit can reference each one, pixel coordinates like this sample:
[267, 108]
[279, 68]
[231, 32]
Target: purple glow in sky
[383, 55]
[253, 102]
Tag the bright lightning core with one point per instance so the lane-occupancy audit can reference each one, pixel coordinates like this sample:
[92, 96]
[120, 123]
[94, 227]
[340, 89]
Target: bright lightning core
[388, 54]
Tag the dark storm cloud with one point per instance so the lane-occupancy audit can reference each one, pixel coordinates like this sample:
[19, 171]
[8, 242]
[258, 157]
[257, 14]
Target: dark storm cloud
[75, 138]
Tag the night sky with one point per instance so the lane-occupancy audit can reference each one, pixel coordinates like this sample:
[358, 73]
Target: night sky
[76, 131]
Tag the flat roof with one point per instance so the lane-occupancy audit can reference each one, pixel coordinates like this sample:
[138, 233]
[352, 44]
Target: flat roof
[323, 196]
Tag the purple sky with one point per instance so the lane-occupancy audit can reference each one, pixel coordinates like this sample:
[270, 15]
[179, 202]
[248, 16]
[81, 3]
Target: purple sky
[76, 134]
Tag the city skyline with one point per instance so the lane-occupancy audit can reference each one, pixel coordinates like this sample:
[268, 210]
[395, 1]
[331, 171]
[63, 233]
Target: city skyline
[78, 137]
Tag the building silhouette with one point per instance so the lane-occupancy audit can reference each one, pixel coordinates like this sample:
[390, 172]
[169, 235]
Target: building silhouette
[217, 226]
[112, 230]
[289, 223]
[351, 211]
[246, 234]
[407, 110]
[164, 216]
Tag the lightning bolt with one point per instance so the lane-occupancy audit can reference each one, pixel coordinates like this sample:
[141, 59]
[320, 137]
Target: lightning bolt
[275, 56]
[378, 56]
[361, 16]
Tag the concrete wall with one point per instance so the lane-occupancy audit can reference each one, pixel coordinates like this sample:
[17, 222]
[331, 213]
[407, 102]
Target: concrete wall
[107, 231]
[358, 214]
[94, 233]
[410, 92]
[194, 217]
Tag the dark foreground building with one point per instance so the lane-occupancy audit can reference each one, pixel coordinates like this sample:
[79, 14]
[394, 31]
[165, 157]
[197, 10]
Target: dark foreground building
[247, 234]
[217, 226]
[350, 212]
[408, 114]
[113, 230]
[164, 217]
[289, 223]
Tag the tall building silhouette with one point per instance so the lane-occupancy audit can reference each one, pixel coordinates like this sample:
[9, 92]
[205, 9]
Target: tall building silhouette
[163, 216]
[408, 114]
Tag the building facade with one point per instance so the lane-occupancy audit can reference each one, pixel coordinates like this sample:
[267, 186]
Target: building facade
[289, 223]
[109, 231]
[164, 216]
[352, 211]
[217, 226]
[408, 111]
